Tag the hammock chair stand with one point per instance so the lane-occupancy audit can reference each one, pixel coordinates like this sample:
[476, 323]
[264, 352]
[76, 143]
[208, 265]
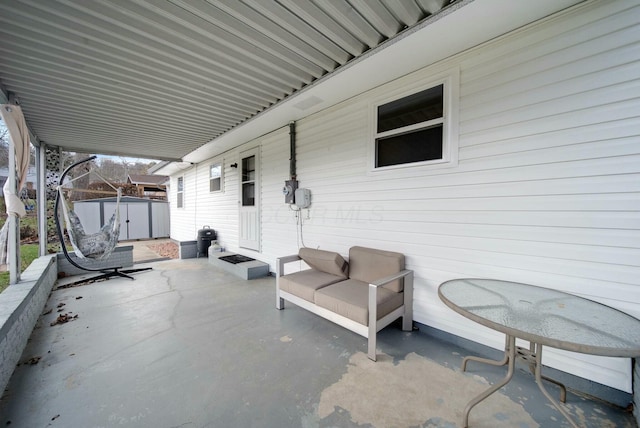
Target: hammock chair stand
[106, 273]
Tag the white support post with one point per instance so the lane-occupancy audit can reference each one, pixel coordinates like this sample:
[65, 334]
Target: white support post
[41, 198]
[13, 221]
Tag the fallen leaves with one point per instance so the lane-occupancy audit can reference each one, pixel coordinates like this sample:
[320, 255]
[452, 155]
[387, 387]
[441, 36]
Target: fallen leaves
[33, 360]
[64, 318]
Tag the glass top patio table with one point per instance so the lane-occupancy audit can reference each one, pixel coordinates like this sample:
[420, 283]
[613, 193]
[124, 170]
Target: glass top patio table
[545, 316]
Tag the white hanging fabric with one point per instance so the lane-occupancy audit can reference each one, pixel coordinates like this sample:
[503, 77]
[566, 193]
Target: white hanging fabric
[19, 135]
[97, 245]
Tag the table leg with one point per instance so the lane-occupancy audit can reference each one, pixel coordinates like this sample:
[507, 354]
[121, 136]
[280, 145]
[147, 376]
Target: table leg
[502, 362]
[510, 354]
[539, 378]
[532, 367]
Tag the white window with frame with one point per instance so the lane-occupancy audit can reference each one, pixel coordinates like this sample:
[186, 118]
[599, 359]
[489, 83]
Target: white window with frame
[180, 192]
[216, 178]
[418, 128]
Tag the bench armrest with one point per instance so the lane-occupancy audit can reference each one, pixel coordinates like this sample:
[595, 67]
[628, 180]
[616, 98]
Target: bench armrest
[281, 261]
[382, 281]
[407, 276]
[407, 318]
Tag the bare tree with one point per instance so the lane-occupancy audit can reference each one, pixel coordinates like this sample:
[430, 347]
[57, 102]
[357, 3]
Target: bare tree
[111, 170]
[119, 171]
[4, 146]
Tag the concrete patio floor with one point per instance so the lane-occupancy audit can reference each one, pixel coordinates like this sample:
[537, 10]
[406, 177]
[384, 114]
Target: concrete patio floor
[189, 345]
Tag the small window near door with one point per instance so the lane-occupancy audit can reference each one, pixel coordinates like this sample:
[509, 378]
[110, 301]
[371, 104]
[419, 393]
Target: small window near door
[215, 177]
[417, 129]
[180, 192]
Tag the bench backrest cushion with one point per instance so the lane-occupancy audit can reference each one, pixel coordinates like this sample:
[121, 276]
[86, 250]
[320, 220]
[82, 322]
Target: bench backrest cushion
[368, 265]
[325, 261]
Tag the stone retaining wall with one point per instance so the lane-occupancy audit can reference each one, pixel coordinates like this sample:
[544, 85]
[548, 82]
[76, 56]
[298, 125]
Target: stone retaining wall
[20, 307]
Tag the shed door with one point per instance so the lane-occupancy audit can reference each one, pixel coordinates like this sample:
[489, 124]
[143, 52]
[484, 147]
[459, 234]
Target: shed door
[250, 200]
[137, 221]
[134, 219]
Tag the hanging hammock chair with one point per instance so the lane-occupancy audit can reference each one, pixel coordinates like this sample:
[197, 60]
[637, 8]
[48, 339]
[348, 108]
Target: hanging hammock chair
[96, 246]
[99, 245]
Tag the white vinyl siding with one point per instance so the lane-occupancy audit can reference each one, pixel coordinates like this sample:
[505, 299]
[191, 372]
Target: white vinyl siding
[217, 210]
[278, 223]
[182, 218]
[546, 189]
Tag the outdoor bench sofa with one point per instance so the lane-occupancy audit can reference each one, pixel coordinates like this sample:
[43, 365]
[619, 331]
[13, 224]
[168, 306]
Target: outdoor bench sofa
[364, 295]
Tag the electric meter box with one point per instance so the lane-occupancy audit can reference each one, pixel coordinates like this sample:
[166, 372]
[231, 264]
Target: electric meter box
[290, 186]
[303, 198]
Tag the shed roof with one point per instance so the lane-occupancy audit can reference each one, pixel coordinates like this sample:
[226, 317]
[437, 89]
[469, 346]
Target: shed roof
[147, 179]
[125, 199]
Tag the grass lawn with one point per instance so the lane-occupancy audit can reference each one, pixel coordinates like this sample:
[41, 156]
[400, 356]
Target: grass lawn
[28, 232]
[28, 253]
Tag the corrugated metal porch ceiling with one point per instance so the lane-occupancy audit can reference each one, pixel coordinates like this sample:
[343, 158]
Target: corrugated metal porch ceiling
[159, 78]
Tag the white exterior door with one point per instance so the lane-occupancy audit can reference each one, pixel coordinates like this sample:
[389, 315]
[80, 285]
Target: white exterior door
[250, 200]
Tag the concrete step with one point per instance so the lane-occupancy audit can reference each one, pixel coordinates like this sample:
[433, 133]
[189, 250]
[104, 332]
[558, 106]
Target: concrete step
[244, 269]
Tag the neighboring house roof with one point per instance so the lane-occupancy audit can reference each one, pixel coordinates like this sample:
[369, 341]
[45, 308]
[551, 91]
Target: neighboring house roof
[31, 177]
[147, 179]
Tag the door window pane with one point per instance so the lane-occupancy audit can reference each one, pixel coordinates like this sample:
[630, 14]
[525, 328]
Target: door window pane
[248, 194]
[248, 181]
[249, 168]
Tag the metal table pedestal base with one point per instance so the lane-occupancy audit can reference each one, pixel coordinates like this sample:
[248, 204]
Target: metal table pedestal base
[533, 357]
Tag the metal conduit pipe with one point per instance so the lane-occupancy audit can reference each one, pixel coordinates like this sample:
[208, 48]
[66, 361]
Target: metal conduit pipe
[292, 149]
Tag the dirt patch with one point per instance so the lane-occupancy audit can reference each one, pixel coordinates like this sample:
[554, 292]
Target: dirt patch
[412, 391]
[166, 249]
